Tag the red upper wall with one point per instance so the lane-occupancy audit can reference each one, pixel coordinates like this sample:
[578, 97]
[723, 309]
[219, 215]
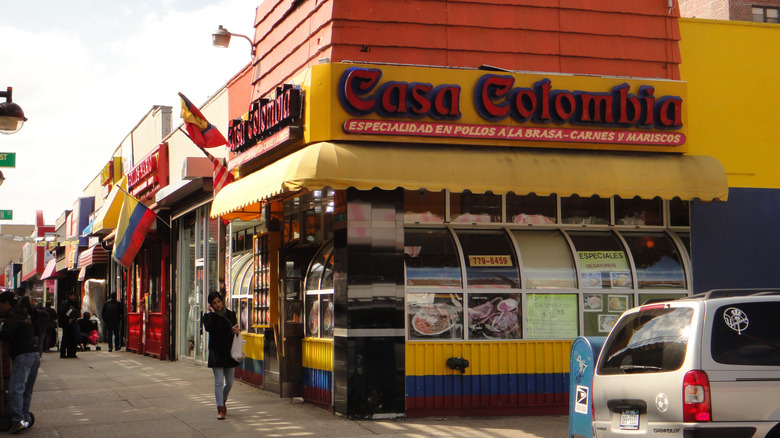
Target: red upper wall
[636, 38]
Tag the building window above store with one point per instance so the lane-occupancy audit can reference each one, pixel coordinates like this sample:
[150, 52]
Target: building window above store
[763, 14]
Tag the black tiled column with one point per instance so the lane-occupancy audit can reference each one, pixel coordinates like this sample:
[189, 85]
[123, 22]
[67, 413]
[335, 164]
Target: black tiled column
[369, 298]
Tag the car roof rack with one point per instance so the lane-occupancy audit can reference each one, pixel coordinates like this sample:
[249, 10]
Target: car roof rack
[722, 293]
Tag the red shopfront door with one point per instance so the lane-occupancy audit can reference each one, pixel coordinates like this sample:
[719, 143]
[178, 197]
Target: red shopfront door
[147, 319]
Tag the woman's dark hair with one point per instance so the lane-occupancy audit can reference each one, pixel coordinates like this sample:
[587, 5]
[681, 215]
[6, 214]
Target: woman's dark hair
[213, 295]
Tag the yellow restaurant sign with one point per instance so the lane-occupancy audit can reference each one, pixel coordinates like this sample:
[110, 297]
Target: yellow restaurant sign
[364, 102]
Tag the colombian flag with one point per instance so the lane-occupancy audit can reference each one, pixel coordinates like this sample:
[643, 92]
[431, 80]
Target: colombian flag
[135, 219]
[202, 133]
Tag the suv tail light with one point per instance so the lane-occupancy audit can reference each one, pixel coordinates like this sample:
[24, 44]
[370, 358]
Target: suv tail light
[696, 397]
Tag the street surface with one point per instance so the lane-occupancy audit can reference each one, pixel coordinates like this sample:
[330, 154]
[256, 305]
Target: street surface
[121, 394]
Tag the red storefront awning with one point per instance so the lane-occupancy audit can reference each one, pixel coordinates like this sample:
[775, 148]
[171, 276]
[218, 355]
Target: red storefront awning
[92, 255]
[51, 270]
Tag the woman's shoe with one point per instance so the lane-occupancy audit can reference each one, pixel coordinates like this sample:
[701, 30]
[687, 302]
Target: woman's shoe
[221, 411]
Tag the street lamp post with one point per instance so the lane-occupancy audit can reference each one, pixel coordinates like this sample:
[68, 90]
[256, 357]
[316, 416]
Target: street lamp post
[11, 115]
[221, 38]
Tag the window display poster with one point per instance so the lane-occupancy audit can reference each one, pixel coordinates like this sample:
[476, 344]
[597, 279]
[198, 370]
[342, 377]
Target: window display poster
[604, 269]
[551, 316]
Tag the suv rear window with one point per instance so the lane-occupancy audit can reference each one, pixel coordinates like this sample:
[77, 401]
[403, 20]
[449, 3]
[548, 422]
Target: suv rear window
[648, 341]
[746, 334]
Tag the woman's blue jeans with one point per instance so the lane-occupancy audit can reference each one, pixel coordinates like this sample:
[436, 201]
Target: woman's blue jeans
[223, 381]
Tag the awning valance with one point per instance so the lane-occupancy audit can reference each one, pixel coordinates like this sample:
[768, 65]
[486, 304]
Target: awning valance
[51, 270]
[93, 254]
[478, 169]
[107, 217]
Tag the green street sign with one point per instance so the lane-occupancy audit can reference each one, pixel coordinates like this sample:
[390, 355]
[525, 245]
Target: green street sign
[6, 215]
[7, 159]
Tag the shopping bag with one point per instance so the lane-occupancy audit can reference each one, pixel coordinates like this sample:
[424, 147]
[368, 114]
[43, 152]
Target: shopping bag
[237, 349]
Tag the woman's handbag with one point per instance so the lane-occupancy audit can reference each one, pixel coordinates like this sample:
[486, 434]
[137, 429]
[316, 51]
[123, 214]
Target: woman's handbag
[237, 349]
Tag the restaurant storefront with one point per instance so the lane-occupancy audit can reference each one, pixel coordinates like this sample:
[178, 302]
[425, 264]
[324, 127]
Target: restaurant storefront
[431, 240]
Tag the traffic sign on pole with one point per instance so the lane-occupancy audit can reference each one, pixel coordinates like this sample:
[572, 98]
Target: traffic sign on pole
[7, 159]
[6, 215]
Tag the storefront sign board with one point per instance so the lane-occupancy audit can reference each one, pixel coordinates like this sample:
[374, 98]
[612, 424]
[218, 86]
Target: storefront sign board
[432, 105]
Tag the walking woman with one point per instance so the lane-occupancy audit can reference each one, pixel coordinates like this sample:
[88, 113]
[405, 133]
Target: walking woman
[221, 323]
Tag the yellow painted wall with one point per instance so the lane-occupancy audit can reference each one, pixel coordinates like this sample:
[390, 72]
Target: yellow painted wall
[733, 74]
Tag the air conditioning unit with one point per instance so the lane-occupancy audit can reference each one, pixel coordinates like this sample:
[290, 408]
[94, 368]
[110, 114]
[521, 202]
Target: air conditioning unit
[196, 167]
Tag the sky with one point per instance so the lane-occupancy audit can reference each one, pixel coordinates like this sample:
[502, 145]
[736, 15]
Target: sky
[85, 72]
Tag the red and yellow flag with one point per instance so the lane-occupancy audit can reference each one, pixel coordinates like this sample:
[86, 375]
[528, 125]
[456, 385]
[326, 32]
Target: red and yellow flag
[202, 133]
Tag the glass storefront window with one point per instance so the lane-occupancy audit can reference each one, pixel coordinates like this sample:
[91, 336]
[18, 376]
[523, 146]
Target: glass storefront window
[585, 211]
[490, 259]
[601, 311]
[495, 315]
[531, 209]
[240, 263]
[422, 206]
[679, 213]
[602, 259]
[435, 316]
[638, 211]
[319, 293]
[551, 316]
[657, 260]
[547, 260]
[431, 259]
[470, 207]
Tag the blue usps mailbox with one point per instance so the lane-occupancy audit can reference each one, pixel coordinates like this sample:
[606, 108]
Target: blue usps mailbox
[584, 353]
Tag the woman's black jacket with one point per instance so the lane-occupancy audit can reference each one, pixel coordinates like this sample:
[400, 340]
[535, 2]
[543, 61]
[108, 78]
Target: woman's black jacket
[220, 338]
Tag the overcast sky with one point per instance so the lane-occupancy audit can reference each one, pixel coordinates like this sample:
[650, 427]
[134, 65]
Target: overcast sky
[86, 71]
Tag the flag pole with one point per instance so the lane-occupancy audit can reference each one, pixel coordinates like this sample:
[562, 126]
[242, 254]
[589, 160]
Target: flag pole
[188, 136]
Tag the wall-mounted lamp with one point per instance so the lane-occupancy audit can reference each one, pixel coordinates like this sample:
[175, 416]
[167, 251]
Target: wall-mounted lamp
[11, 115]
[221, 38]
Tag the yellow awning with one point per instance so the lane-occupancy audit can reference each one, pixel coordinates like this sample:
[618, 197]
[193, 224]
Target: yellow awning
[108, 215]
[478, 169]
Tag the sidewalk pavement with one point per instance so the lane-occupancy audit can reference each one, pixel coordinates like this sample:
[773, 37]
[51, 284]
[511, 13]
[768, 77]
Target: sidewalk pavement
[122, 394]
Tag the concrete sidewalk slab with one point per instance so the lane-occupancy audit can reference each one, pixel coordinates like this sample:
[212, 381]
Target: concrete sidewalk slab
[122, 394]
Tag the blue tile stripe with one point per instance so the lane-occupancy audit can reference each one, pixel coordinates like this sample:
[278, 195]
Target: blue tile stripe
[319, 379]
[256, 366]
[486, 384]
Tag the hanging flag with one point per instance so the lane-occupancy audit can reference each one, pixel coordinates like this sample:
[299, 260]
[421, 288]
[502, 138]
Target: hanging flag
[135, 219]
[201, 132]
[222, 175]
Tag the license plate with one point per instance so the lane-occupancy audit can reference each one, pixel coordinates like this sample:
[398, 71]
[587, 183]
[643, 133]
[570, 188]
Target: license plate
[629, 420]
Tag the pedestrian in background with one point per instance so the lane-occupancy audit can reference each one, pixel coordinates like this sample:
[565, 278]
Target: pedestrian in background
[221, 324]
[51, 328]
[113, 313]
[68, 314]
[18, 331]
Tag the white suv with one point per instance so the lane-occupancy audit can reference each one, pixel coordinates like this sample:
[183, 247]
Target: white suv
[703, 366]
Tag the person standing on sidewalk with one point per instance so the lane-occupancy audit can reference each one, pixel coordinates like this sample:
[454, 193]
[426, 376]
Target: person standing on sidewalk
[221, 324]
[68, 314]
[18, 331]
[113, 314]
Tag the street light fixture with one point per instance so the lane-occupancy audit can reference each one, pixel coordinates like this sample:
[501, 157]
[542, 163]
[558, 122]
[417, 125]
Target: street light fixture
[11, 115]
[221, 38]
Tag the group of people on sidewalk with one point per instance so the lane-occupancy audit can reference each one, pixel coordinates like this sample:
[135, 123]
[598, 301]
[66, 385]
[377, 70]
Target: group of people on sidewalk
[29, 330]
[21, 328]
[81, 330]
